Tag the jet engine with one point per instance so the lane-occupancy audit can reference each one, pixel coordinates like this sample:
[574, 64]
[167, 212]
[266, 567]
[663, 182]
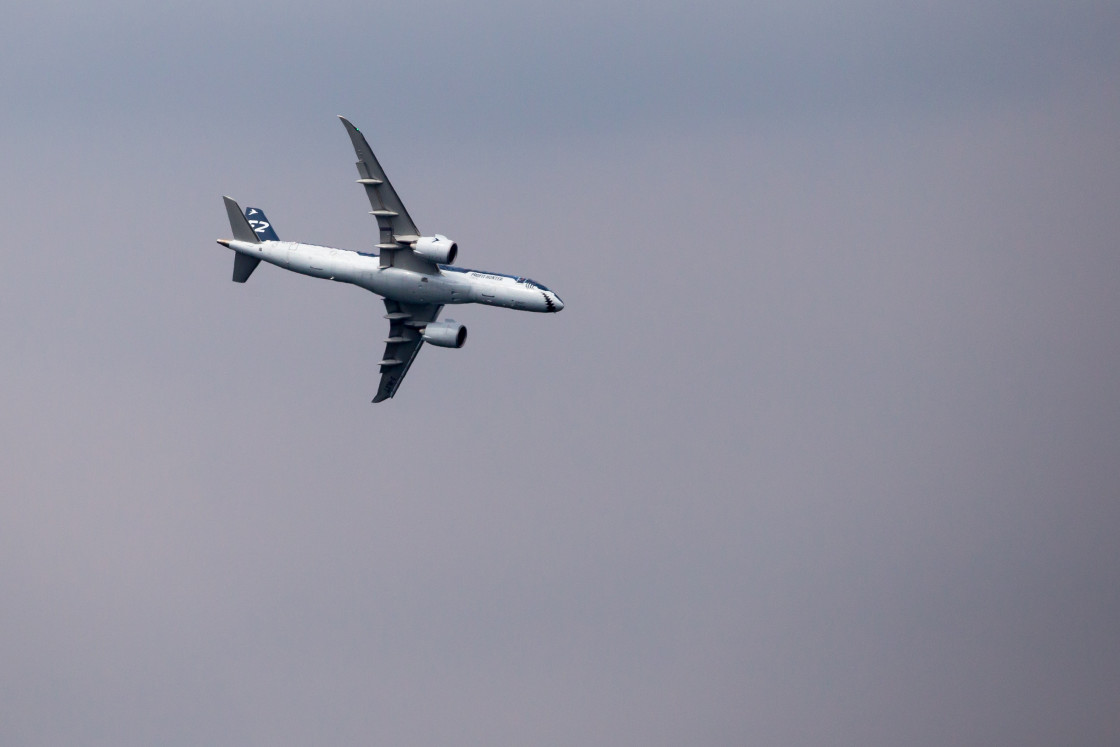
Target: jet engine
[438, 249]
[446, 334]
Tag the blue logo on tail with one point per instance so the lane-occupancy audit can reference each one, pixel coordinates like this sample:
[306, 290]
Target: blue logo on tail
[260, 224]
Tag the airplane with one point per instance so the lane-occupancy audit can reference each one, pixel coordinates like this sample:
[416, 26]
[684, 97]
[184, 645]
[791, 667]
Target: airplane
[413, 273]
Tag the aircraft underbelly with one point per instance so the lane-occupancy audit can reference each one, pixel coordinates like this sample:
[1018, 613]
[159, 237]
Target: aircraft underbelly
[410, 287]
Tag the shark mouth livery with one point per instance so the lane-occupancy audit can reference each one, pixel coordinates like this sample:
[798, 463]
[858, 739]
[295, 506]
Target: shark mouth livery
[412, 272]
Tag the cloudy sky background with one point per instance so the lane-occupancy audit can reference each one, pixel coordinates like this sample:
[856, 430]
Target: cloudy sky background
[822, 451]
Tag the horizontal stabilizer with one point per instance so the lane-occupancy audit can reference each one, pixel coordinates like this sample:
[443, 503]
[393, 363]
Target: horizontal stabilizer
[242, 231]
[243, 266]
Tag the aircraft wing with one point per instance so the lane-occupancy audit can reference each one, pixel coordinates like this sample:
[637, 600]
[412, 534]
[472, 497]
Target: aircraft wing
[403, 343]
[397, 231]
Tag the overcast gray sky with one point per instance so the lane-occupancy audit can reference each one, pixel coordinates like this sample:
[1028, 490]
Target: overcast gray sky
[824, 450]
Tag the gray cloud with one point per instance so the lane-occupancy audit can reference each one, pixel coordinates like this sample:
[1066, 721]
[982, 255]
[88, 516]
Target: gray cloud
[507, 68]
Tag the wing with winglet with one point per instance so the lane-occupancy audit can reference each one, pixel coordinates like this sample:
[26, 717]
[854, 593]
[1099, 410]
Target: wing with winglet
[397, 231]
[406, 320]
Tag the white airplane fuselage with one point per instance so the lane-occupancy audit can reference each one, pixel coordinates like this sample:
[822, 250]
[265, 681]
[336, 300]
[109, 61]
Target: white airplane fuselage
[450, 285]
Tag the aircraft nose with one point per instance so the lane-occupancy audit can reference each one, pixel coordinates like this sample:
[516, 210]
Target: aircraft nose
[557, 303]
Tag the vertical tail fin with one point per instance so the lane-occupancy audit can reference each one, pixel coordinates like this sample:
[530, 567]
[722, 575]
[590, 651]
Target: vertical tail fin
[260, 224]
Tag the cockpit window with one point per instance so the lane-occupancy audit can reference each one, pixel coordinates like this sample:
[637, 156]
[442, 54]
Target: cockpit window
[532, 284]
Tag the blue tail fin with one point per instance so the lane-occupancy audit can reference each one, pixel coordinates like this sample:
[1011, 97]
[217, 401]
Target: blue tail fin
[260, 224]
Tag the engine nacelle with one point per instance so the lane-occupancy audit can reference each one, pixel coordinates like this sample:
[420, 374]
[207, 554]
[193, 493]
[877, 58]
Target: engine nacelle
[445, 334]
[438, 249]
